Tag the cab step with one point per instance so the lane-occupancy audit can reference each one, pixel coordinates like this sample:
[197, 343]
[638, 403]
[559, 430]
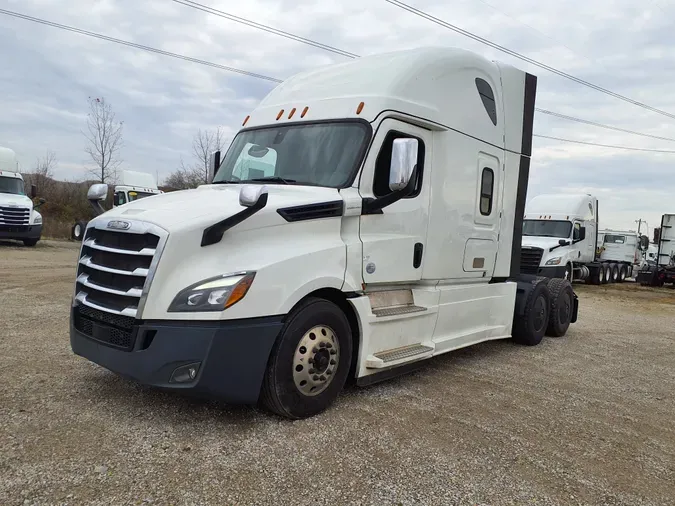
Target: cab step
[393, 303]
[400, 355]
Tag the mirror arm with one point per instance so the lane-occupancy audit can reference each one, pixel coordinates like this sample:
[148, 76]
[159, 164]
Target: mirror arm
[214, 233]
[375, 205]
[97, 207]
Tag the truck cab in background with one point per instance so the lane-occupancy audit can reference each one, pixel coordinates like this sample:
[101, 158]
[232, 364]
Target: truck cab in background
[561, 239]
[367, 217]
[135, 185]
[19, 216]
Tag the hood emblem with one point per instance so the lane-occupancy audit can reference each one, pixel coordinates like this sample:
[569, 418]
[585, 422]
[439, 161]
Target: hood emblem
[119, 225]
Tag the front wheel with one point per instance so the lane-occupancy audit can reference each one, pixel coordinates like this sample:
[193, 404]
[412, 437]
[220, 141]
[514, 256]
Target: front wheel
[310, 361]
[30, 242]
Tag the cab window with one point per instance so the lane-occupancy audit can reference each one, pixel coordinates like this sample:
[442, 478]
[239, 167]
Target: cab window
[120, 198]
[577, 231]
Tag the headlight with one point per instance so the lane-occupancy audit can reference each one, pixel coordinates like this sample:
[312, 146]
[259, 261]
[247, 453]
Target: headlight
[37, 220]
[213, 294]
[553, 261]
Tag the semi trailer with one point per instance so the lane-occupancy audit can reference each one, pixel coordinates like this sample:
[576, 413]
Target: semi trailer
[19, 216]
[135, 185]
[561, 240]
[366, 217]
[662, 270]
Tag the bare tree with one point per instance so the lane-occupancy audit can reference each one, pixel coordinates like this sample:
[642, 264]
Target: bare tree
[42, 174]
[184, 177]
[104, 137]
[204, 143]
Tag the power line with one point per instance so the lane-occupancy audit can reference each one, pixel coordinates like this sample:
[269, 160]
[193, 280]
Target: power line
[269, 29]
[587, 122]
[333, 49]
[137, 46]
[603, 145]
[522, 57]
[247, 73]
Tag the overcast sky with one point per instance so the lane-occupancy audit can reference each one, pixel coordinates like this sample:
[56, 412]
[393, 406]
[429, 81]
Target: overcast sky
[623, 45]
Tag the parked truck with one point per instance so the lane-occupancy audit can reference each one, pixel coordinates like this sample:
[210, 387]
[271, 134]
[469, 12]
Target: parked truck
[385, 229]
[19, 216]
[135, 185]
[662, 270]
[561, 240]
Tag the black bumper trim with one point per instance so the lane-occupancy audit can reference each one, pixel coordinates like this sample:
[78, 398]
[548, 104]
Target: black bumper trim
[232, 354]
[20, 231]
[554, 271]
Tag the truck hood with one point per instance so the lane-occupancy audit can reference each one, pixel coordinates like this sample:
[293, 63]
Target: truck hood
[11, 199]
[545, 243]
[208, 204]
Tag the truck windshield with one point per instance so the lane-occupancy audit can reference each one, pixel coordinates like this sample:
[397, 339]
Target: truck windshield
[320, 154]
[547, 228]
[11, 185]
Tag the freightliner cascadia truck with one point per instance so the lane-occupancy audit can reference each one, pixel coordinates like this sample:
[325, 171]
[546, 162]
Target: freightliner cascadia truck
[367, 217]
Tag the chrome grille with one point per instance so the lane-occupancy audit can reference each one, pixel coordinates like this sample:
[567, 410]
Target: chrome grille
[530, 259]
[115, 267]
[14, 215]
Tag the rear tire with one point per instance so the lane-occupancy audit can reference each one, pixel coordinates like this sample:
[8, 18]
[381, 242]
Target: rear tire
[607, 273]
[310, 361]
[597, 276]
[77, 231]
[623, 273]
[530, 327]
[562, 305]
[614, 269]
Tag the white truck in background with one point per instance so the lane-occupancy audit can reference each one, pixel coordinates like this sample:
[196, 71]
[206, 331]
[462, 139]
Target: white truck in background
[662, 270]
[367, 217]
[135, 185]
[19, 216]
[561, 240]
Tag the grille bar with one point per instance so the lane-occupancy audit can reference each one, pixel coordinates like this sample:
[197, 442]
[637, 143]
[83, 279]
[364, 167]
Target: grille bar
[82, 298]
[92, 243]
[86, 261]
[14, 215]
[131, 292]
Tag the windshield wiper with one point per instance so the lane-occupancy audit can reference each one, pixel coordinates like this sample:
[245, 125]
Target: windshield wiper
[226, 182]
[271, 179]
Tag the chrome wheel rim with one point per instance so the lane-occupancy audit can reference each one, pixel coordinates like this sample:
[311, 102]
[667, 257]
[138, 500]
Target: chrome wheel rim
[316, 360]
[77, 230]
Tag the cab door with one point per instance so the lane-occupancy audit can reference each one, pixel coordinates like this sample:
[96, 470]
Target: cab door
[394, 238]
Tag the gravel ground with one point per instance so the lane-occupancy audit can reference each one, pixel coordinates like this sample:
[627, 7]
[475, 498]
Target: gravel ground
[584, 419]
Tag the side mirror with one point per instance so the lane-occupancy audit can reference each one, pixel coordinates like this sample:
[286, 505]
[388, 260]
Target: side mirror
[403, 163]
[251, 194]
[33, 191]
[214, 165]
[582, 233]
[97, 192]
[644, 242]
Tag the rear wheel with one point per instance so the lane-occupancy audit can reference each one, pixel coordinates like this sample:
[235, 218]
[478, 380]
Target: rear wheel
[310, 361]
[562, 300]
[78, 230]
[597, 275]
[623, 273]
[614, 269]
[530, 327]
[607, 273]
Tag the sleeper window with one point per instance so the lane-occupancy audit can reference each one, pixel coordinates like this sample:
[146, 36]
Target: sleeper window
[383, 163]
[486, 190]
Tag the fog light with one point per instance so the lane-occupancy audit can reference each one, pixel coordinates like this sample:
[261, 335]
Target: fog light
[185, 373]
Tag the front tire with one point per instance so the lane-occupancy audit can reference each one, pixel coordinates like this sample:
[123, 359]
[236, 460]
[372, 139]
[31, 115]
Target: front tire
[30, 242]
[310, 361]
[530, 327]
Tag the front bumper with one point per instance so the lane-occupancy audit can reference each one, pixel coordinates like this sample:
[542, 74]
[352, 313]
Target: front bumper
[231, 356]
[20, 231]
[553, 271]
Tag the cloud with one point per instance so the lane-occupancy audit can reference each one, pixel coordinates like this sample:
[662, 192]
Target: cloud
[49, 73]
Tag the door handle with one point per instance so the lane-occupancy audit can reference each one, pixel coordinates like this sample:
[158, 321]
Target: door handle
[417, 254]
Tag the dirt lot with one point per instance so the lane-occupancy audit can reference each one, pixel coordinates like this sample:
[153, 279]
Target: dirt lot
[584, 419]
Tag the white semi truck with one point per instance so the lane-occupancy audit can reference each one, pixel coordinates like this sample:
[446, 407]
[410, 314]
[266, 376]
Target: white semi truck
[135, 185]
[662, 269]
[367, 217]
[561, 240]
[19, 216]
